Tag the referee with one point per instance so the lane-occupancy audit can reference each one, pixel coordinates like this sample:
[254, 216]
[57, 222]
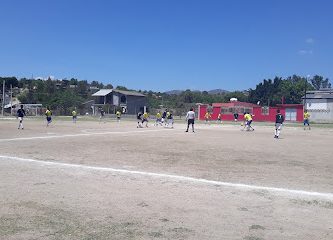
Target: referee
[190, 116]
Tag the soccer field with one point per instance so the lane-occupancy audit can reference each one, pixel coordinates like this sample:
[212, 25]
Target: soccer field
[110, 180]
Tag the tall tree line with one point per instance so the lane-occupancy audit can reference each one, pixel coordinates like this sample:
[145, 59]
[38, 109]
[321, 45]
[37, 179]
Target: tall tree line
[285, 90]
[66, 94]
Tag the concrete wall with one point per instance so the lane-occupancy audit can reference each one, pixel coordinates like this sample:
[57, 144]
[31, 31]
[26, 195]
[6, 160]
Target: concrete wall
[321, 110]
[136, 104]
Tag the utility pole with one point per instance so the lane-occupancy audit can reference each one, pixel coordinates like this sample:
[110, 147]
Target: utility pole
[11, 99]
[305, 90]
[3, 96]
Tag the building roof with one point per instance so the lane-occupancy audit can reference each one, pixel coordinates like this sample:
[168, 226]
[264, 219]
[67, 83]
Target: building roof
[129, 93]
[102, 93]
[319, 94]
[234, 104]
[289, 105]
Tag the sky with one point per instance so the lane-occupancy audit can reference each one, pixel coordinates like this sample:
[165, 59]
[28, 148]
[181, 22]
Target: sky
[163, 45]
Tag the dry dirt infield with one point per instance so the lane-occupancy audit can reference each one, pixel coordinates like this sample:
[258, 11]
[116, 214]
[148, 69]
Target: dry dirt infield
[113, 181]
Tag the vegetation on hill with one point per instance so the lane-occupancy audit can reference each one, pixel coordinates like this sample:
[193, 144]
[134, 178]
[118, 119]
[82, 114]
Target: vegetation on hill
[65, 94]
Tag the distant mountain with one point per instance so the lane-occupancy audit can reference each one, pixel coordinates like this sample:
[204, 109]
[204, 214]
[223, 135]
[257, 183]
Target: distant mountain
[217, 91]
[174, 92]
[214, 91]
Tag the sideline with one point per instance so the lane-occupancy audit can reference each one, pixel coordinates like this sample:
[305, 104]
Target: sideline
[319, 195]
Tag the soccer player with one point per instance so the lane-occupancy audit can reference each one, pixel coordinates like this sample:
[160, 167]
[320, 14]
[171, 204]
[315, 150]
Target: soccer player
[248, 121]
[158, 119]
[74, 116]
[170, 119]
[164, 115]
[166, 123]
[20, 115]
[145, 117]
[279, 119]
[236, 116]
[207, 117]
[48, 115]
[306, 117]
[102, 116]
[139, 118]
[219, 118]
[190, 116]
[118, 113]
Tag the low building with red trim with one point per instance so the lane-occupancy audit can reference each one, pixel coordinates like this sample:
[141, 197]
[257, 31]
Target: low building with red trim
[292, 112]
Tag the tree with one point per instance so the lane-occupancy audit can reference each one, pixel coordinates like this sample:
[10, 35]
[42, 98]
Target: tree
[82, 88]
[318, 82]
[121, 88]
[109, 86]
[9, 81]
[187, 96]
[271, 92]
[50, 86]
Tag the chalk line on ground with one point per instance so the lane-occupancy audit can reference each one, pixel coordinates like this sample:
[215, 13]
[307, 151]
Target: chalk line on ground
[328, 196]
[76, 135]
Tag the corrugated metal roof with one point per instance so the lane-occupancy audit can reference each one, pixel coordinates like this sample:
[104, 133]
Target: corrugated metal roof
[234, 104]
[102, 93]
[319, 95]
[129, 93]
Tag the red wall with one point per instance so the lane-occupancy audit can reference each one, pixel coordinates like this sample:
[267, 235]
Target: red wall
[299, 116]
[202, 111]
[256, 112]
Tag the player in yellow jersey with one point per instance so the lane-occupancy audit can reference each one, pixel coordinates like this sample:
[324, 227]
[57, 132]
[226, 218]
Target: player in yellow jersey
[118, 114]
[166, 122]
[207, 117]
[248, 121]
[74, 115]
[306, 118]
[48, 115]
[145, 118]
[158, 119]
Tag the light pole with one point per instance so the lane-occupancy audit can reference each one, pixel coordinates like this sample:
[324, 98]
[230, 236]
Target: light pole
[3, 97]
[305, 90]
[160, 96]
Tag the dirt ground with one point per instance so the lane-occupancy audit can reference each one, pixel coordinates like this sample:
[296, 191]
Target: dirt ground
[110, 180]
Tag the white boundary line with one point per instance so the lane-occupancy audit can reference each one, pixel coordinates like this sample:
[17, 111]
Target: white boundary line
[76, 135]
[327, 196]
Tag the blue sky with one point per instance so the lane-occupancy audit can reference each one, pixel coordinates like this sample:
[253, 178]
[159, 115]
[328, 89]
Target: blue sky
[167, 44]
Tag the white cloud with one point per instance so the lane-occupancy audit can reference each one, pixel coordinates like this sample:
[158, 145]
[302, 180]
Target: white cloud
[305, 52]
[309, 40]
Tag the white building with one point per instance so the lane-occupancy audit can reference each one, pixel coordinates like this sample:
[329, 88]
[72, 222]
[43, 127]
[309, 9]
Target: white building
[320, 105]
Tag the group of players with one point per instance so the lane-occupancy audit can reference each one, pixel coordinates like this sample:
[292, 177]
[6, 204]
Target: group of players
[167, 119]
[162, 119]
[21, 114]
[248, 118]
